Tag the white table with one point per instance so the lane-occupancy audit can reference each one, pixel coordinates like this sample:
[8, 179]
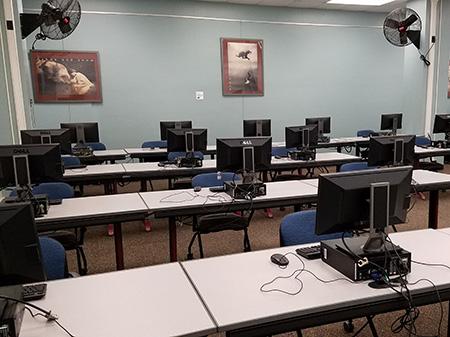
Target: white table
[93, 172]
[422, 152]
[91, 211]
[145, 302]
[234, 298]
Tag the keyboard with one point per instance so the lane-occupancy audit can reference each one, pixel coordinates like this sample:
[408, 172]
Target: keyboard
[310, 253]
[167, 162]
[34, 292]
[217, 189]
[74, 167]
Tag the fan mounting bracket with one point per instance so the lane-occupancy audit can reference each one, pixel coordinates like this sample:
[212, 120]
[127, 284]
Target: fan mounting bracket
[29, 23]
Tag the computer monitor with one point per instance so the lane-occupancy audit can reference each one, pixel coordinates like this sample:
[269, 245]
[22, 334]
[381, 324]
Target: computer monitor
[363, 199]
[166, 125]
[22, 165]
[391, 150]
[301, 137]
[391, 122]
[442, 124]
[323, 124]
[246, 155]
[82, 132]
[20, 252]
[257, 128]
[187, 140]
[62, 137]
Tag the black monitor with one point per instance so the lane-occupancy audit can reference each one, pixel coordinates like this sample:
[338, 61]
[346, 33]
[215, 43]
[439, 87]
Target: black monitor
[166, 125]
[363, 199]
[391, 122]
[257, 128]
[20, 252]
[22, 165]
[323, 124]
[62, 137]
[391, 150]
[247, 155]
[301, 137]
[442, 124]
[187, 140]
[81, 133]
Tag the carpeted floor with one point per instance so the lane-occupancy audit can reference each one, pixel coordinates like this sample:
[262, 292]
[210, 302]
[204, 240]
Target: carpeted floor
[150, 248]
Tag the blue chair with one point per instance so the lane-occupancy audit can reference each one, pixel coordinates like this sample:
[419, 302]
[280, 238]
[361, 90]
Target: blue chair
[365, 133]
[96, 146]
[363, 165]
[213, 223]
[53, 258]
[280, 151]
[162, 144]
[70, 161]
[299, 228]
[431, 165]
[423, 141]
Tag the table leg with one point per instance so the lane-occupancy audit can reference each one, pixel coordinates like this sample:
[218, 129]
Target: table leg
[433, 209]
[173, 239]
[357, 150]
[143, 185]
[118, 242]
[339, 149]
[448, 320]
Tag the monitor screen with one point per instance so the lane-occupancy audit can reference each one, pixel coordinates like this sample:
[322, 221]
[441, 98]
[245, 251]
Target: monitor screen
[166, 125]
[44, 164]
[391, 121]
[391, 150]
[257, 128]
[63, 137]
[82, 132]
[20, 252]
[441, 123]
[187, 140]
[344, 199]
[230, 153]
[299, 137]
[323, 124]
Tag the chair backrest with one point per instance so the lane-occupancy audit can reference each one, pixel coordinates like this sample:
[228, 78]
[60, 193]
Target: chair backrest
[96, 146]
[55, 190]
[363, 165]
[176, 155]
[212, 179]
[280, 151]
[364, 133]
[162, 144]
[299, 228]
[423, 141]
[70, 160]
[53, 258]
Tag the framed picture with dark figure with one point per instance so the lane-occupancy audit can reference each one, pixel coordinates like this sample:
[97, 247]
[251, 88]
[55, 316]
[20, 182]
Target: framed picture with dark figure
[65, 76]
[242, 67]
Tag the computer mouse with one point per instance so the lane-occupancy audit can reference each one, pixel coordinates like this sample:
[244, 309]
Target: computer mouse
[197, 188]
[279, 259]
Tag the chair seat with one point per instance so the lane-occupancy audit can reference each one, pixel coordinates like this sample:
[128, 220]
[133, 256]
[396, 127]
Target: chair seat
[68, 239]
[219, 222]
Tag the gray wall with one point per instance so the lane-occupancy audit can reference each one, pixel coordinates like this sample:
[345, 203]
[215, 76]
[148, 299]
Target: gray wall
[152, 65]
[442, 101]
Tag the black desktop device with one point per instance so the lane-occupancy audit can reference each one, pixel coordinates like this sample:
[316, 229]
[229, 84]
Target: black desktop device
[391, 150]
[166, 125]
[246, 155]
[323, 126]
[304, 139]
[63, 137]
[391, 122]
[188, 141]
[354, 201]
[12, 311]
[257, 128]
[442, 125]
[23, 165]
[80, 134]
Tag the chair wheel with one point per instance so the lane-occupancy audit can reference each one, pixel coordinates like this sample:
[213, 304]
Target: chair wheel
[349, 327]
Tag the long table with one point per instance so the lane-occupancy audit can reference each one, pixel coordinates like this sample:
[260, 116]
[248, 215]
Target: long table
[222, 294]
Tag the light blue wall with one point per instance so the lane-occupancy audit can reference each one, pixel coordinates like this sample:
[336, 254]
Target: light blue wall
[152, 66]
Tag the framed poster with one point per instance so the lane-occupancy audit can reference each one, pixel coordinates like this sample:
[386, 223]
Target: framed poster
[65, 76]
[242, 67]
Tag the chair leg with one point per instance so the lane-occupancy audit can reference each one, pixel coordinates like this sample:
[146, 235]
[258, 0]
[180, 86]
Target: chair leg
[299, 333]
[372, 327]
[151, 185]
[190, 256]
[247, 247]
[84, 269]
[200, 245]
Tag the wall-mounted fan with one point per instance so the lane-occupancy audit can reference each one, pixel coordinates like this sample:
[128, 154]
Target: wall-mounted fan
[57, 20]
[402, 27]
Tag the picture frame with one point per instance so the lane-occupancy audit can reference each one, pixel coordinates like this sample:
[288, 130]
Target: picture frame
[242, 67]
[66, 76]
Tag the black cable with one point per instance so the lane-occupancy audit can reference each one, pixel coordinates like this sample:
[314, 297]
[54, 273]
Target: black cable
[33, 315]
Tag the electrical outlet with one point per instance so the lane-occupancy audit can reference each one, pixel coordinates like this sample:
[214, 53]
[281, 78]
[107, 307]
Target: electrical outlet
[199, 95]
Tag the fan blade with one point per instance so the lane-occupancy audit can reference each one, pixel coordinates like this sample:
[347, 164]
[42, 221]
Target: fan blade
[66, 7]
[409, 21]
[391, 23]
[414, 36]
[403, 38]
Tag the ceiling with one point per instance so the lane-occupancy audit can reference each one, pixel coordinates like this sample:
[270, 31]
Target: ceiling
[321, 4]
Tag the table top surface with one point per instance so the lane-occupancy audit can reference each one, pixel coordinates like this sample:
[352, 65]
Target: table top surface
[96, 205]
[152, 301]
[230, 285]
[153, 166]
[94, 170]
[433, 150]
[106, 153]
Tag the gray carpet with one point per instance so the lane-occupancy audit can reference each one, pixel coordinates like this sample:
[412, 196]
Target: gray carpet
[151, 248]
